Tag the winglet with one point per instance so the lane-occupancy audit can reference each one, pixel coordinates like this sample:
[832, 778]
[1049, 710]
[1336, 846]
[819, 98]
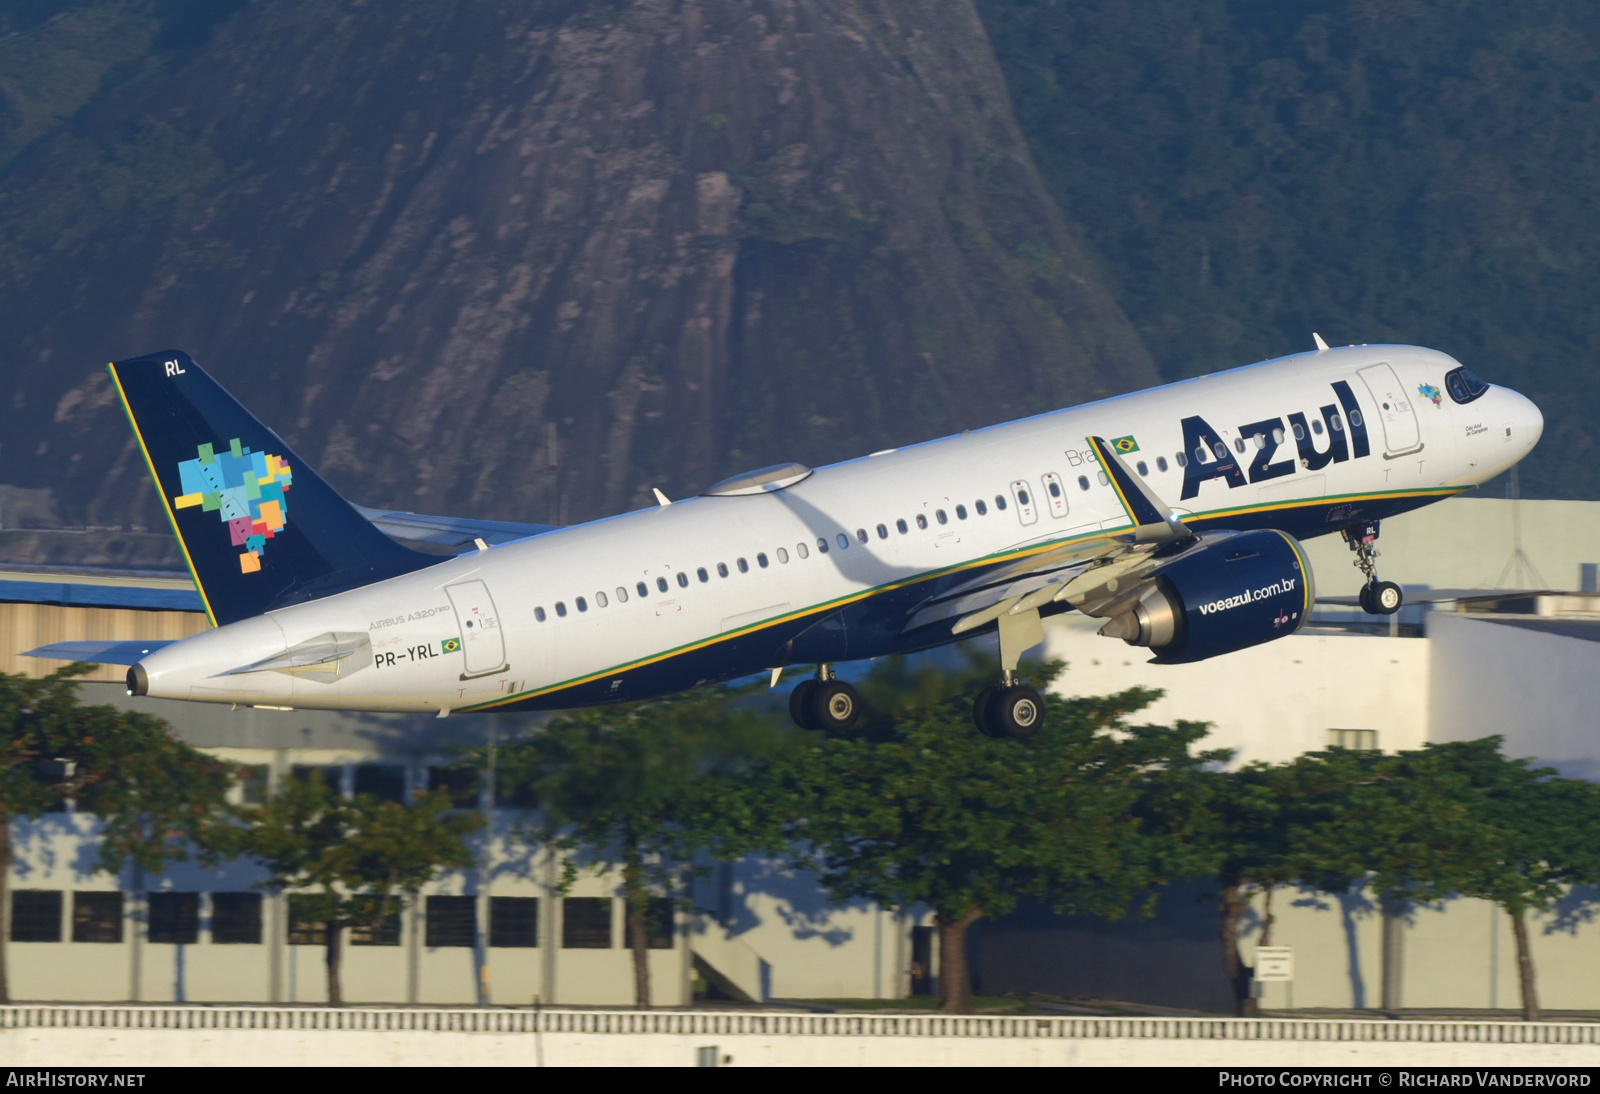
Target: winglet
[1321, 345]
[1152, 520]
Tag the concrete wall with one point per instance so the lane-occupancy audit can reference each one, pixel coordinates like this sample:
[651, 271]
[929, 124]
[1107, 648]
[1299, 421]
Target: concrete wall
[1539, 690]
[1464, 543]
[846, 1041]
[1271, 702]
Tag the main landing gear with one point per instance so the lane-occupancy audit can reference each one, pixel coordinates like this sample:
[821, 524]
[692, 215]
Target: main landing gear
[1377, 597]
[1011, 709]
[824, 703]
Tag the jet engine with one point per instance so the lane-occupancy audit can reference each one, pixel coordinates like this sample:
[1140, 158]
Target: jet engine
[1242, 591]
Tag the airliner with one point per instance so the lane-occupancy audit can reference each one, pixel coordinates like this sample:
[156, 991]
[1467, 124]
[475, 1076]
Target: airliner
[1175, 514]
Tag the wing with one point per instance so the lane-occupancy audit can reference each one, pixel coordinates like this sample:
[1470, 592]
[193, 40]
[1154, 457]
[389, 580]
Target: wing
[415, 529]
[1099, 575]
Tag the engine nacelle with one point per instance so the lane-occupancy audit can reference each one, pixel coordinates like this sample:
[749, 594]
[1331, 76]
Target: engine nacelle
[1246, 590]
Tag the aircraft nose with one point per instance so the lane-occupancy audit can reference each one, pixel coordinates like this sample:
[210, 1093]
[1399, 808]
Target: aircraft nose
[1527, 420]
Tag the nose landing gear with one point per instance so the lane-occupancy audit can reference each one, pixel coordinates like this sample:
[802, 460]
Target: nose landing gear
[824, 703]
[1376, 597]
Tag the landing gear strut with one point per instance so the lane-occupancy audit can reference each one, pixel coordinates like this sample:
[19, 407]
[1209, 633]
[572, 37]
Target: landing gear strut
[1011, 709]
[1377, 597]
[824, 703]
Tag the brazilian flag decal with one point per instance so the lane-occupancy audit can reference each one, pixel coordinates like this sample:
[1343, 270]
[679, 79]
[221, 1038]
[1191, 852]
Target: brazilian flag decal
[450, 645]
[1124, 445]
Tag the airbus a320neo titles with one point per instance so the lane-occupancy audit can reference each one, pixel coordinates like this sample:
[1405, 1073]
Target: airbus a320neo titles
[1174, 514]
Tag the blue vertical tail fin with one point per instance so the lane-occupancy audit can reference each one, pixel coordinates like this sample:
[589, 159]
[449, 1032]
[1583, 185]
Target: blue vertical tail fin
[258, 528]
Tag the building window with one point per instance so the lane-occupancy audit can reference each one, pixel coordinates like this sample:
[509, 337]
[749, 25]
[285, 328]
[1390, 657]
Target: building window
[253, 784]
[658, 923]
[175, 918]
[303, 930]
[36, 915]
[331, 776]
[460, 782]
[586, 923]
[96, 917]
[236, 918]
[1365, 740]
[452, 921]
[386, 782]
[538, 613]
[386, 933]
[514, 922]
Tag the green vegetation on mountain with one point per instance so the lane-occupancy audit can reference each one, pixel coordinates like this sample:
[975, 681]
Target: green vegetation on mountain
[1418, 171]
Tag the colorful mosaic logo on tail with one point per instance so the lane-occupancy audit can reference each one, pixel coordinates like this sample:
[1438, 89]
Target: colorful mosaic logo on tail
[244, 488]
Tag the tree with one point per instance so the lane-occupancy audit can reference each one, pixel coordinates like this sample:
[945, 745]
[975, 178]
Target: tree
[157, 799]
[1448, 819]
[353, 863]
[641, 789]
[930, 811]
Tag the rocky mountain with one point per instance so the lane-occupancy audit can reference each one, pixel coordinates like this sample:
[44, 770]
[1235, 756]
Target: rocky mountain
[424, 240]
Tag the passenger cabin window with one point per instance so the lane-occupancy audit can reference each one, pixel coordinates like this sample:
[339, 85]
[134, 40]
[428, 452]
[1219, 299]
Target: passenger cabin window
[1000, 502]
[800, 549]
[1316, 426]
[1355, 418]
[961, 512]
[622, 594]
[561, 608]
[583, 605]
[922, 521]
[1143, 469]
[822, 545]
[1277, 436]
[1463, 385]
[940, 517]
[761, 560]
[1183, 461]
[783, 556]
[1105, 480]
[1299, 432]
[861, 534]
[1161, 463]
[538, 613]
[843, 541]
[1238, 445]
[1336, 423]
[1221, 450]
[722, 569]
[901, 525]
[661, 584]
[744, 567]
[600, 599]
[1259, 441]
[883, 533]
[683, 579]
[1083, 482]
[642, 589]
[983, 510]
[701, 574]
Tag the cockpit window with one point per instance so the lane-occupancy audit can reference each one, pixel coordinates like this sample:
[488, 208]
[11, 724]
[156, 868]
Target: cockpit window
[1462, 385]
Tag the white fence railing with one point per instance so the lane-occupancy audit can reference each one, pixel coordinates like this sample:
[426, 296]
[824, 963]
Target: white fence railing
[726, 1023]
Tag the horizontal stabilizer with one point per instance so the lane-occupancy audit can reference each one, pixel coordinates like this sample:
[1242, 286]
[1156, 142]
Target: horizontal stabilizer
[98, 653]
[448, 531]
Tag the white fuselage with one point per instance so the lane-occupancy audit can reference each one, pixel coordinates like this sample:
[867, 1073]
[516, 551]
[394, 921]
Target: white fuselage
[484, 629]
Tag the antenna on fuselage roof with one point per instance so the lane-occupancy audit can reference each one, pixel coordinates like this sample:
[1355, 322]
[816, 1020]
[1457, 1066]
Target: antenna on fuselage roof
[1321, 345]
